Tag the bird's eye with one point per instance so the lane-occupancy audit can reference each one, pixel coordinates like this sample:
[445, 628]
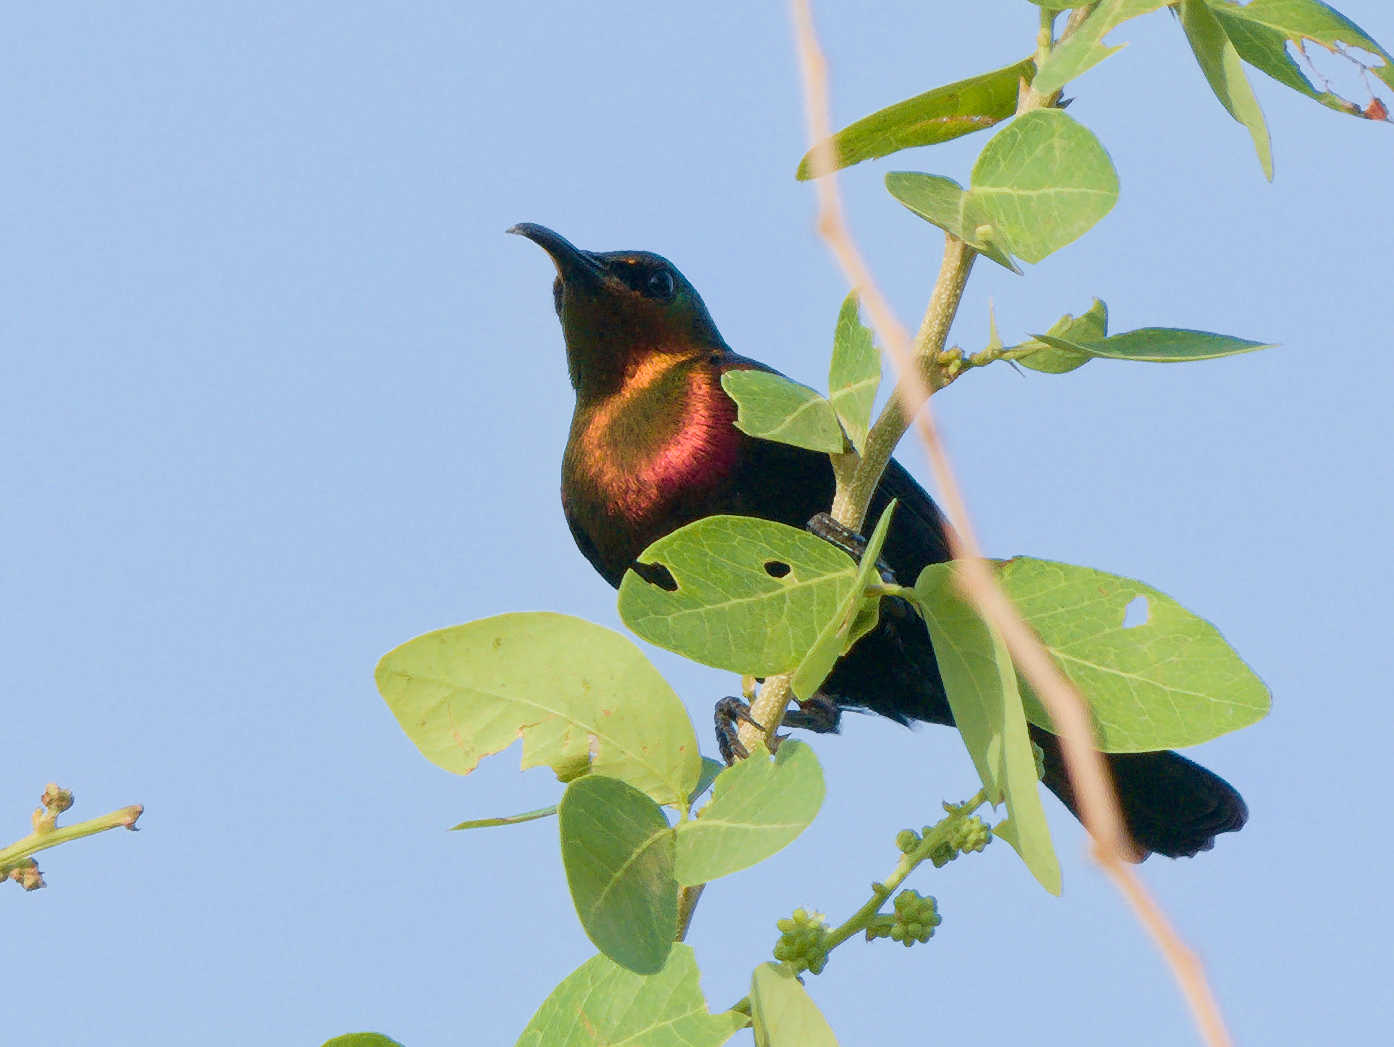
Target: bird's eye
[661, 285]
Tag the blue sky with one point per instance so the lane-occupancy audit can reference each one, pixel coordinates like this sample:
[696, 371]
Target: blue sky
[279, 394]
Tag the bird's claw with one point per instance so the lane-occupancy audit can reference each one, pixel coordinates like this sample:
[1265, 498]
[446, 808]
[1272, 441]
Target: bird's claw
[849, 541]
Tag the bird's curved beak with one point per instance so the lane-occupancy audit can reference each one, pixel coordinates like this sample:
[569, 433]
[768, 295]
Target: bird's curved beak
[573, 264]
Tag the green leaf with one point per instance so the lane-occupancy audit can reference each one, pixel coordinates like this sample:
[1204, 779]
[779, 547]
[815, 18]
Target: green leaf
[758, 807]
[1224, 71]
[1170, 682]
[1262, 30]
[752, 596]
[982, 689]
[618, 851]
[772, 407]
[581, 696]
[601, 1003]
[945, 203]
[1161, 345]
[362, 1039]
[507, 819]
[855, 618]
[936, 116]
[1043, 181]
[855, 372]
[1085, 47]
[783, 1013]
[1089, 326]
[710, 769]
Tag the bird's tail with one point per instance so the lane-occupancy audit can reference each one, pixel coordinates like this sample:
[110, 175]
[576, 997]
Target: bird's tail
[1171, 805]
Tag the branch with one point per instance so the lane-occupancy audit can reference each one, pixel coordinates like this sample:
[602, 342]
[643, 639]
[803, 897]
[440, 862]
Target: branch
[1098, 802]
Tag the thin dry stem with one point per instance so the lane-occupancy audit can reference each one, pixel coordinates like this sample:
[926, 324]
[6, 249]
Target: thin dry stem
[1093, 790]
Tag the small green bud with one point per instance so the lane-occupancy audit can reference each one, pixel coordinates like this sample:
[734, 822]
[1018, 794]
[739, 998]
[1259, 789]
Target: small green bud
[907, 840]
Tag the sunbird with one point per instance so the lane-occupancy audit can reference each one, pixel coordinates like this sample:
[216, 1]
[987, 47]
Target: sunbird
[653, 446]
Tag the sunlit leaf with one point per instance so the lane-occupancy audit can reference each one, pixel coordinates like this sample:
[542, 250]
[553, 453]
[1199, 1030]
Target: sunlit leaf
[1158, 345]
[936, 116]
[1089, 326]
[774, 408]
[581, 697]
[1043, 182]
[618, 851]
[1224, 71]
[855, 372]
[748, 595]
[945, 203]
[758, 807]
[1168, 682]
[982, 689]
[602, 1003]
[837, 634]
[783, 1013]
[507, 819]
[1085, 48]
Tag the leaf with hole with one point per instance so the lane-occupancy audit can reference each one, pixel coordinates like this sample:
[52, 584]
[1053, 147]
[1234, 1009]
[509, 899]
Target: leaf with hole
[1170, 682]
[1160, 345]
[1089, 326]
[982, 690]
[943, 202]
[602, 1003]
[1267, 34]
[936, 116]
[772, 407]
[749, 595]
[1043, 182]
[581, 697]
[855, 372]
[759, 806]
[618, 851]
[783, 1013]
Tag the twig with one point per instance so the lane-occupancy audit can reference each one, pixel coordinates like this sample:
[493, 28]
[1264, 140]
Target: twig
[1093, 790]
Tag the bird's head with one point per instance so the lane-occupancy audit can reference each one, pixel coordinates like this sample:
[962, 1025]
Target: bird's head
[617, 308]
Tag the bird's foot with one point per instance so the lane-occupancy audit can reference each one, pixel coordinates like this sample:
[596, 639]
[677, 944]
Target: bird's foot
[819, 714]
[848, 540]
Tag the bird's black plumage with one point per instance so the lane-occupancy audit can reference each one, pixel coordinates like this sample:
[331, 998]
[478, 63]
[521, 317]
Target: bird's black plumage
[653, 447]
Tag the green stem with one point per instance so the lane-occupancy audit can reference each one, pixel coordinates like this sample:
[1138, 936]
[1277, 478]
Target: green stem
[17, 852]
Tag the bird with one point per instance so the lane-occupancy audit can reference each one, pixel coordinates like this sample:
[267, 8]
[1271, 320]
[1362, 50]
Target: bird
[653, 446]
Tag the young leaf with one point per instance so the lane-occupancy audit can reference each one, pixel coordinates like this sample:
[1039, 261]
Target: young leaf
[362, 1039]
[1224, 71]
[1170, 682]
[783, 1013]
[855, 372]
[618, 851]
[774, 408]
[758, 807]
[1089, 326]
[747, 595]
[1043, 182]
[837, 634]
[1262, 31]
[927, 119]
[945, 203]
[982, 690]
[581, 696]
[1162, 345]
[507, 819]
[600, 1002]
[1085, 48]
